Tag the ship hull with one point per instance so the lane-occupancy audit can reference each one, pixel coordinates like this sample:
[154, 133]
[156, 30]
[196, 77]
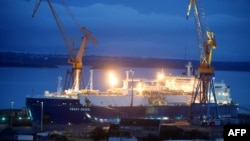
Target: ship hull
[70, 111]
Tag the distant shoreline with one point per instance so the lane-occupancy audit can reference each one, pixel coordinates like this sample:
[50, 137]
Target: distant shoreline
[54, 60]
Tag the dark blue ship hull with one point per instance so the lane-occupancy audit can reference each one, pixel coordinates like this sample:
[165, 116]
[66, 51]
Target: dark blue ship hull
[71, 111]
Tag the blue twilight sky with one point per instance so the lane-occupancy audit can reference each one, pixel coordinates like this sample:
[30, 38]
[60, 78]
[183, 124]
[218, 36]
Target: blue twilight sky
[143, 28]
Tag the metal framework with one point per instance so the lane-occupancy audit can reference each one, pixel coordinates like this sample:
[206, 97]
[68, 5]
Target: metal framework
[73, 77]
[204, 96]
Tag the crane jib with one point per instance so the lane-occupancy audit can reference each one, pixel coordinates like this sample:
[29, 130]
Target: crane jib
[75, 58]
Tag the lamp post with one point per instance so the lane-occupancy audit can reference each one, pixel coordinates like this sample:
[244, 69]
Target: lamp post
[41, 116]
[132, 94]
[11, 114]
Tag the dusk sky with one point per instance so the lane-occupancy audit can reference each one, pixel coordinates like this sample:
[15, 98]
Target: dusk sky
[142, 28]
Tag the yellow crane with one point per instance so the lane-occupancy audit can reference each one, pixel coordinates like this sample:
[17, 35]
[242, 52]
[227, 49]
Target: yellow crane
[75, 57]
[205, 87]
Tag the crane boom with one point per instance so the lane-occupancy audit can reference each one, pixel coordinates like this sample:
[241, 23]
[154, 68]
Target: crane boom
[36, 8]
[70, 47]
[62, 30]
[205, 86]
[206, 39]
[75, 59]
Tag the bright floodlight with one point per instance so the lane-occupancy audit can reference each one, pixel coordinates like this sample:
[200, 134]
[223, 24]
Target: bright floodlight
[112, 79]
[160, 76]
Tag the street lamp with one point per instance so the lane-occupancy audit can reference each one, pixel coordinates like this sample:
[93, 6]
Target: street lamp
[11, 114]
[132, 94]
[41, 116]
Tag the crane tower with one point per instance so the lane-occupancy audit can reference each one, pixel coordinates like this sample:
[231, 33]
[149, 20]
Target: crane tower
[203, 99]
[73, 78]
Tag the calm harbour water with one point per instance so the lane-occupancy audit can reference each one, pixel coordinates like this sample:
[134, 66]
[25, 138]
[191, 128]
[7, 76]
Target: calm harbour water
[17, 83]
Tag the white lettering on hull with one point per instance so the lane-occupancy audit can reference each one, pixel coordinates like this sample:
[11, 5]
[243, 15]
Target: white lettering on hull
[80, 109]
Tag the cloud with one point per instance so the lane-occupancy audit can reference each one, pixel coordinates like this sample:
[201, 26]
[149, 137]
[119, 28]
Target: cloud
[125, 28]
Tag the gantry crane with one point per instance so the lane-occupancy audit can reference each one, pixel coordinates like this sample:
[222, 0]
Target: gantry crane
[75, 57]
[204, 97]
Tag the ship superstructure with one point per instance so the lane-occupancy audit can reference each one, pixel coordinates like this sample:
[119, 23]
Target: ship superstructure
[165, 97]
[163, 90]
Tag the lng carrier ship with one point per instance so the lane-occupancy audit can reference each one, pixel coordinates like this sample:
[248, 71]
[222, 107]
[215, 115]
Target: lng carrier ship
[165, 97]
